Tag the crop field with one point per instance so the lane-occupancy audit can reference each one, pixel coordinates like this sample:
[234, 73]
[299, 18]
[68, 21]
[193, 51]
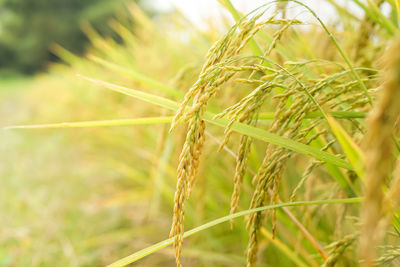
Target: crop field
[267, 138]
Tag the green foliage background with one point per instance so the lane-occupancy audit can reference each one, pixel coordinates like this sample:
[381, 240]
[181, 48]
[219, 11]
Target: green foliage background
[30, 27]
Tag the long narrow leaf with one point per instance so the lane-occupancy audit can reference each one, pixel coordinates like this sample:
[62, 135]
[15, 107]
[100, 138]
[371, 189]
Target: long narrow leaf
[81, 124]
[350, 148]
[149, 250]
[168, 119]
[237, 127]
[137, 76]
[279, 141]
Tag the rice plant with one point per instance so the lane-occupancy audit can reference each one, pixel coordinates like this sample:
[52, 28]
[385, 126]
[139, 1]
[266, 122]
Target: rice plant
[277, 112]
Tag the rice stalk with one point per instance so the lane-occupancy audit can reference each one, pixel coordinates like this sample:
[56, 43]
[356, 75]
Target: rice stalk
[379, 146]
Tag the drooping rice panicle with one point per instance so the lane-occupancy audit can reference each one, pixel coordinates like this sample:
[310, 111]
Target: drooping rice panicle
[379, 161]
[337, 248]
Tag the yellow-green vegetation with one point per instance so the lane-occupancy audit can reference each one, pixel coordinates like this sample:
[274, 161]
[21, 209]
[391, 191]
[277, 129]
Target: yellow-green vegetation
[286, 128]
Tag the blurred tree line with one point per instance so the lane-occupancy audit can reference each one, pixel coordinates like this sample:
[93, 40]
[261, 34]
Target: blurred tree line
[29, 27]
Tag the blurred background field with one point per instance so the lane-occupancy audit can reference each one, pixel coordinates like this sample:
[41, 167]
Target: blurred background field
[89, 196]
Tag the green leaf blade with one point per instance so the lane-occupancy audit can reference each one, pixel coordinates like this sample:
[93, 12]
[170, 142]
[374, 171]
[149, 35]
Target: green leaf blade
[149, 250]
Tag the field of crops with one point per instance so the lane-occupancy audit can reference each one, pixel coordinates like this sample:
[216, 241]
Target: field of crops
[269, 139]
